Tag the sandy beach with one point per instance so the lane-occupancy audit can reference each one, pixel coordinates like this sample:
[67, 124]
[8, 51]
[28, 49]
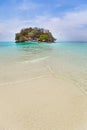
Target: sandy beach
[44, 102]
[45, 91]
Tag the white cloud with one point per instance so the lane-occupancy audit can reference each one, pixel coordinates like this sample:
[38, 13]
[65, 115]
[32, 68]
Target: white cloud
[71, 26]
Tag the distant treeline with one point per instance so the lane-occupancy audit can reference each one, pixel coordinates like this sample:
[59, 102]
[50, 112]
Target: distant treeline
[34, 34]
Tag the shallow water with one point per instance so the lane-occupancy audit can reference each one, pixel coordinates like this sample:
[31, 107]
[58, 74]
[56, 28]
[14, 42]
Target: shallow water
[66, 60]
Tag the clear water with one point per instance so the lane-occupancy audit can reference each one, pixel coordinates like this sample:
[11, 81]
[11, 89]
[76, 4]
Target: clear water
[66, 60]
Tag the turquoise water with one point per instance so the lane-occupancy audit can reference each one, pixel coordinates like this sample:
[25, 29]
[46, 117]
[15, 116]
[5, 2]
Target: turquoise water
[67, 60]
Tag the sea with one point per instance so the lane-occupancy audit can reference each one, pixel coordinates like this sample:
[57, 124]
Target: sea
[64, 60]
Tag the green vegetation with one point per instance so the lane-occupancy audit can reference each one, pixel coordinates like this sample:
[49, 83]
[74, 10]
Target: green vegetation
[34, 34]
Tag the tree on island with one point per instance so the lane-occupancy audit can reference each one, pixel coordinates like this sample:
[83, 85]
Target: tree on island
[34, 34]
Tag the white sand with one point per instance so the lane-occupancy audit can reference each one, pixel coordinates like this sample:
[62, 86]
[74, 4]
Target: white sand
[42, 103]
[32, 97]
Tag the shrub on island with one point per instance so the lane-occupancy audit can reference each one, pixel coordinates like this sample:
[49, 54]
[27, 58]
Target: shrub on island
[34, 34]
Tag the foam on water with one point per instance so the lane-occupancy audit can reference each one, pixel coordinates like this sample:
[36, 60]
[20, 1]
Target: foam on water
[39, 59]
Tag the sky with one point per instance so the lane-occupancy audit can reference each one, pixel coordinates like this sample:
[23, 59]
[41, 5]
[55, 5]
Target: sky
[66, 19]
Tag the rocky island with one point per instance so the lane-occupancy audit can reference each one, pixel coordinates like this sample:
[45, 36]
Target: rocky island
[34, 34]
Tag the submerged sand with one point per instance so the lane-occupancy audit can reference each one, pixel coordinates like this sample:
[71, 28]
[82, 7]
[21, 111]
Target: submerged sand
[40, 101]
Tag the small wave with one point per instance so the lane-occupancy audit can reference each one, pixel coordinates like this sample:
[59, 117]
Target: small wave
[35, 60]
[39, 59]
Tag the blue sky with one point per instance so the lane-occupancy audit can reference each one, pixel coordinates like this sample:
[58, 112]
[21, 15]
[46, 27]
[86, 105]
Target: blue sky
[66, 19]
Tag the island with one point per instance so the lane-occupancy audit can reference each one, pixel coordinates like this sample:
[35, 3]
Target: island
[34, 34]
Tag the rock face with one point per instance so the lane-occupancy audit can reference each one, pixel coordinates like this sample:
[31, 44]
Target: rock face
[34, 34]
